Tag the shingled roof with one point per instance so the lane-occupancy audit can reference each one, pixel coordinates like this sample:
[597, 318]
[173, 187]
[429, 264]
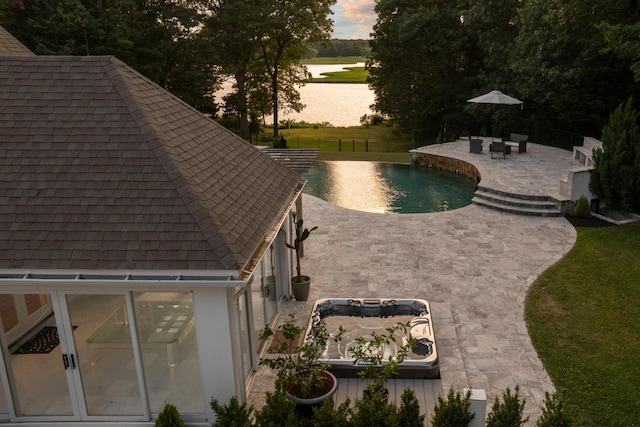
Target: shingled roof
[10, 46]
[101, 169]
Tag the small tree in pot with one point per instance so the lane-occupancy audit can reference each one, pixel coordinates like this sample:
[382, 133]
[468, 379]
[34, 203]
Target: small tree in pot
[300, 284]
[300, 373]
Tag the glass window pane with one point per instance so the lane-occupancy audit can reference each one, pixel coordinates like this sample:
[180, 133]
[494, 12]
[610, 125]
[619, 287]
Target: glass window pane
[34, 364]
[166, 330]
[9, 312]
[105, 354]
[245, 337]
[34, 302]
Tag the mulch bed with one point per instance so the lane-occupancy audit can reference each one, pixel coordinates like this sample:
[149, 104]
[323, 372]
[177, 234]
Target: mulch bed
[588, 222]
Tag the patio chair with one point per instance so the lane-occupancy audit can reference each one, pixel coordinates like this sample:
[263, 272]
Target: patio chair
[475, 146]
[499, 147]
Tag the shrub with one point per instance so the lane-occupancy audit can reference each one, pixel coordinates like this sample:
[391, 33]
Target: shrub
[409, 413]
[233, 414]
[169, 417]
[327, 415]
[372, 410]
[615, 177]
[509, 412]
[553, 413]
[279, 411]
[583, 208]
[452, 412]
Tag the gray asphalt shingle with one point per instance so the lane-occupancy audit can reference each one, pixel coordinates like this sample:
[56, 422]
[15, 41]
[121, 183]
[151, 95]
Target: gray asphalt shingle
[103, 169]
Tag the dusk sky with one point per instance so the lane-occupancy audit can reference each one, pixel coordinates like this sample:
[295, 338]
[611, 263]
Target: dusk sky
[353, 19]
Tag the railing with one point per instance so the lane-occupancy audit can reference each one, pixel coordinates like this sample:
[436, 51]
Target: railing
[351, 145]
[550, 137]
[556, 138]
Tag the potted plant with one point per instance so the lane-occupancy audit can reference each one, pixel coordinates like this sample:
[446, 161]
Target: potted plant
[370, 352]
[300, 284]
[300, 373]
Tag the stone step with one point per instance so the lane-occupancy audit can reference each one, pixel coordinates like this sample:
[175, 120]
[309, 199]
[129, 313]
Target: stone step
[515, 200]
[518, 210]
[520, 204]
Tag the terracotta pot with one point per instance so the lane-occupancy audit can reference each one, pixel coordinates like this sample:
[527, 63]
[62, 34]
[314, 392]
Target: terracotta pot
[301, 289]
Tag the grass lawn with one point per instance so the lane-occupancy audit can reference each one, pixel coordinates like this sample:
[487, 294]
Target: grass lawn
[583, 316]
[350, 75]
[348, 139]
[372, 157]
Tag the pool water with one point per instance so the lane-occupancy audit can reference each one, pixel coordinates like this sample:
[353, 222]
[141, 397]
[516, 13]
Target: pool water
[388, 187]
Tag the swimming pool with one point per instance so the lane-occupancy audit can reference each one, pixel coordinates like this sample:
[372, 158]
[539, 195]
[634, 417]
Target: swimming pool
[388, 187]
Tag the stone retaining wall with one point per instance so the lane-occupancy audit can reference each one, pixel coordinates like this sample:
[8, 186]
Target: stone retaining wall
[446, 164]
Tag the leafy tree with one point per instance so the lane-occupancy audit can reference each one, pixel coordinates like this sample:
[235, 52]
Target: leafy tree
[160, 39]
[553, 413]
[452, 411]
[420, 64]
[566, 79]
[509, 413]
[235, 26]
[48, 27]
[615, 177]
[291, 26]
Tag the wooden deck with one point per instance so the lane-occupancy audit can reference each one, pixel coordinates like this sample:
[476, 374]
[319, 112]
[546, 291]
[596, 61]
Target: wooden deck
[427, 392]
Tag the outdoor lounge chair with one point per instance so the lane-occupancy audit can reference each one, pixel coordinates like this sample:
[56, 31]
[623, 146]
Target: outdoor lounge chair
[519, 141]
[499, 147]
[475, 145]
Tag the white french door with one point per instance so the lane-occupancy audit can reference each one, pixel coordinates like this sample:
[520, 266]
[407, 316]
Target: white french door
[93, 373]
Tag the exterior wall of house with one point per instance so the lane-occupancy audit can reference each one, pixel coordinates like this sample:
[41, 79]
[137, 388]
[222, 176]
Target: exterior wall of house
[214, 356]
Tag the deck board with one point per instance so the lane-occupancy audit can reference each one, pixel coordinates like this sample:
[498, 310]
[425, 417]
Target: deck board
[426, 391]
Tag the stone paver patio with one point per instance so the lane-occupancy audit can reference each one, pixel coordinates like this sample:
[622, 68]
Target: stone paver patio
[474, 265]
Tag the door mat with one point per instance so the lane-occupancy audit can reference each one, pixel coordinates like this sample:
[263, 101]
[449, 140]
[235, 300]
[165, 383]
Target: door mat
[279, 340]
[43, 342]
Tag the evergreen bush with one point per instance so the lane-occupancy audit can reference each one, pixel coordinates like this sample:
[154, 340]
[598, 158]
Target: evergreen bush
[233, 414]
[409, 412]
[583, 208]
[553, 413]
[169, 417]
[615, 176]
[279, 411]
[452, 412]
[327, 415]
[508, 413]
[372, 410]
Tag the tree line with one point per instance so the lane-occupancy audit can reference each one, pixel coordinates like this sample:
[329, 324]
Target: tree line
[572, 62]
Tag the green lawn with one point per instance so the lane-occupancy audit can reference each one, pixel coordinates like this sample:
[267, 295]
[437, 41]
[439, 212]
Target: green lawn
[583, 316]
[355, 139]
[350, 75]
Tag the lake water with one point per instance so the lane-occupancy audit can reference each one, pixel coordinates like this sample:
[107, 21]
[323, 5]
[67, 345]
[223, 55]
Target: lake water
[387, 187]
[341, 104]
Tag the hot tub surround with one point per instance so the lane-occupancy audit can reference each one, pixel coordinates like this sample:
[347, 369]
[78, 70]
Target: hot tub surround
[360, 317]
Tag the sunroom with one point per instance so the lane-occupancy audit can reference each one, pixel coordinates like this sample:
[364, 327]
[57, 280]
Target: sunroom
[142, 246]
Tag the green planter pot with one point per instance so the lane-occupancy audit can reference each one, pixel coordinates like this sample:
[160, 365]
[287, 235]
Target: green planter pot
[301, 289]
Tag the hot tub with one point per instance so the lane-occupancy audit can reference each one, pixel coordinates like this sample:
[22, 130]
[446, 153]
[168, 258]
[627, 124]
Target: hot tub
[360, 317]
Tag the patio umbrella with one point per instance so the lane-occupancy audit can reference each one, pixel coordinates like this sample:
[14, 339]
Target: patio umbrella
[495, 97]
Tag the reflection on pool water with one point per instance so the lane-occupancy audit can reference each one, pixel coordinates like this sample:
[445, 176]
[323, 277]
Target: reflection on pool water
[388, 187]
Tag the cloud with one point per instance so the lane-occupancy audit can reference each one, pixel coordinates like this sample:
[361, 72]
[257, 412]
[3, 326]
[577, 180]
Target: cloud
[353, 19]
